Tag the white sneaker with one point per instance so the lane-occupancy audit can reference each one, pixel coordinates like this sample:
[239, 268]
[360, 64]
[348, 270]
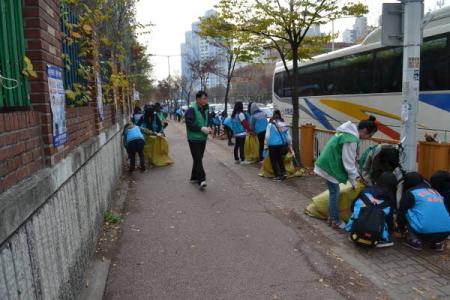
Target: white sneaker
[340, 226]
[203, 185]
[382, 244]
[246, 162]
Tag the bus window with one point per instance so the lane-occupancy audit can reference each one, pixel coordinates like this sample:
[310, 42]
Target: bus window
[338, 69]
[312, 79]
[281, 85]
[435, 64]
[387, 77]
[351, 74]
[362, 73]
[278, 84]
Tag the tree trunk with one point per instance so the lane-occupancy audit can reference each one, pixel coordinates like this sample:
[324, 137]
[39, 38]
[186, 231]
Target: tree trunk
[227, 92]
[230, 72]
[295, 105]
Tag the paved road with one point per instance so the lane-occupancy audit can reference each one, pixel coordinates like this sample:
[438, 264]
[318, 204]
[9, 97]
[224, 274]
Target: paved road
[224, 243]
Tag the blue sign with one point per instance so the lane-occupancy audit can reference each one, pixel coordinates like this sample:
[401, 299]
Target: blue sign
[57, 105]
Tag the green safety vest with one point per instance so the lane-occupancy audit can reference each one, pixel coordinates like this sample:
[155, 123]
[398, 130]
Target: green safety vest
[161, 116]
[365, 155]
[200, 121]
[330, 160]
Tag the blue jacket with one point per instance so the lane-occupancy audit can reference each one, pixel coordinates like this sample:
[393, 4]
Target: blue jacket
[132, 134]
[228, 122]
[376, 195]
[216, 121]
[237, 126]
[258, 121]
[279, 136]
[429, 214]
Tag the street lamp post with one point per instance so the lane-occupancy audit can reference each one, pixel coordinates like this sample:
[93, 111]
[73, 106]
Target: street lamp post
[168, 60]
[168, 68]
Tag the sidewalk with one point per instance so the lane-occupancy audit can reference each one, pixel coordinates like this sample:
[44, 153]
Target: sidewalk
[404, 273]
[228, 242]
[246, 237]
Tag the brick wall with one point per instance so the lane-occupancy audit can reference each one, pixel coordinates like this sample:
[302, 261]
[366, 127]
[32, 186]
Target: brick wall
[26, 139]
[108, 116]
[80, 125]
[21, 147]
[43, 46]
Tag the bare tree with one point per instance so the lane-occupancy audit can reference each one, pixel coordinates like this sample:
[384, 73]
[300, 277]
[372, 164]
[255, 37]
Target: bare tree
[253, 83]
[186, 87]
[202, 69]
[217, 92]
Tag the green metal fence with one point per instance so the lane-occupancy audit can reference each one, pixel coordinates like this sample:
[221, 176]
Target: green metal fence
[14, 89]
[72, 60]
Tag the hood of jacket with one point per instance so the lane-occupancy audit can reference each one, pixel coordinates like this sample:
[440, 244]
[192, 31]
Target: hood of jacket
[253, 108]
[279, 124]
[348, 127]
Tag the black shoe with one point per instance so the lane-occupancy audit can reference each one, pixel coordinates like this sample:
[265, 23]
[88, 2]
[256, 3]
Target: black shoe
[194, 181]
[278, 179]
[230, 144]
[438, 246]
[414, 244]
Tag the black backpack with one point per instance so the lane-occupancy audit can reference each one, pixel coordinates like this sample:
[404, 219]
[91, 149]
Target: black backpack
[367, 230]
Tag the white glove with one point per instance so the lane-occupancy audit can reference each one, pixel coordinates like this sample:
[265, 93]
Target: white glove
[205, 130]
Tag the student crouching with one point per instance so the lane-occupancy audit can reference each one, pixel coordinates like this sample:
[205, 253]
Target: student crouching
[372, 213]
[134, 141]
[423, 213]
[337, 162]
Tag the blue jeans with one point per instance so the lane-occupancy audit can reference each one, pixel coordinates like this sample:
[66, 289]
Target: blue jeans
[333, 204]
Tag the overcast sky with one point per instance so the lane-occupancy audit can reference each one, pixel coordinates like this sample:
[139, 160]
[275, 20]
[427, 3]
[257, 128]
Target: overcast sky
[172, 18]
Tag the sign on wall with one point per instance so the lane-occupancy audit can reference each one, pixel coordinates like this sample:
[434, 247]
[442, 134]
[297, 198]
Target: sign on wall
[57, 104]
[99, 96]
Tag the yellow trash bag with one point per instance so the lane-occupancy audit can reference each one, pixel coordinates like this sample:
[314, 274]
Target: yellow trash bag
[251, 148]
[149, 140]
[156, 151]
[267, 171]
[318, 208]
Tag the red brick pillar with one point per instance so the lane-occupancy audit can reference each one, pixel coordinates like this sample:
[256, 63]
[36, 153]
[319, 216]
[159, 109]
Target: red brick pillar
[43, 46]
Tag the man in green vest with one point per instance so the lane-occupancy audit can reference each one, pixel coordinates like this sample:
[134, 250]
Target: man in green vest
[197, 134]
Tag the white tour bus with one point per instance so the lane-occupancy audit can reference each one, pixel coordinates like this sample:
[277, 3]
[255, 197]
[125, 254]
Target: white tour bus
[352, 83]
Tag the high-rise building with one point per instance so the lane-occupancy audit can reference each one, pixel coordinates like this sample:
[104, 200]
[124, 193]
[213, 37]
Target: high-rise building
[314, 30]
[198, 48]
[360, 28]
[349, 36]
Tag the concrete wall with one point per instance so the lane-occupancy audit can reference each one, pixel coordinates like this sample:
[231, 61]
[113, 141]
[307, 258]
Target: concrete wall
[49, 223]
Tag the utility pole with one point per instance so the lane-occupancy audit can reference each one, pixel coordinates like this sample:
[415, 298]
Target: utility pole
[413, 32]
